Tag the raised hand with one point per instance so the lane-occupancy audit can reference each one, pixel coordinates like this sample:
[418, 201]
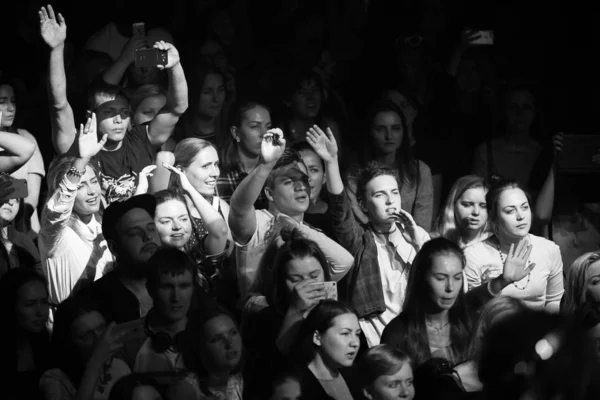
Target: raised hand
[307, 294]
[183, 179]
[408, 227]
[324, 145]
[467, 37]
[136, 42]
[52, 29]
[273, 146]
[515, 265]
[172, 54]
[89, 145]
[557, 143]
[145, 173]
[107, 345]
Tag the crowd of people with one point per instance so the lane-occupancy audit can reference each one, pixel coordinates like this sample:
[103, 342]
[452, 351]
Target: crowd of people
[218, 226]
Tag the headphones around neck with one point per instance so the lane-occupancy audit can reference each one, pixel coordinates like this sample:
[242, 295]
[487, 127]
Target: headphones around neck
[162, 341]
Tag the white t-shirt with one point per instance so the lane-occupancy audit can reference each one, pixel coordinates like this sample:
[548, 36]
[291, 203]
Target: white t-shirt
[545, 285]
[394, 279]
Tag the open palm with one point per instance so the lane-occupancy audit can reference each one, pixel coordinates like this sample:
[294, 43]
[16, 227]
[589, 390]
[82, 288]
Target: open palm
[53, 30]
[323, 144]
[88, 142]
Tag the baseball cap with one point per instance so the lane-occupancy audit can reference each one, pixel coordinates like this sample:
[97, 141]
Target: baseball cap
[117, 209]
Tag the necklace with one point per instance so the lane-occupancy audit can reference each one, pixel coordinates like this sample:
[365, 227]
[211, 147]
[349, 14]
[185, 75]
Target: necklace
[503, 259]
[438, 330]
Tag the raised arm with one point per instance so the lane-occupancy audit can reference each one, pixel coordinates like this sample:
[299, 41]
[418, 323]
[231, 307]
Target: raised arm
[17, 151]
[113, 75]
[242, 216]
[216, 240]
[54, 33]
[423, 209]
[544, 204]
[162, 126]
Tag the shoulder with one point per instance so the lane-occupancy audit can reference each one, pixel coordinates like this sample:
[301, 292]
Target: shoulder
[423, 168]
[543, 243]
[25, 133]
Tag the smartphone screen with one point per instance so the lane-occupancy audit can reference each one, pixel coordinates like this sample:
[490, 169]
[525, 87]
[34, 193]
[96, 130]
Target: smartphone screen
[330, 290]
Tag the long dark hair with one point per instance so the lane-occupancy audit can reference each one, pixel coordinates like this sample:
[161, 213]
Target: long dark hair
[319, 319]
[228, 147]
[65, 355]
[10, 284]
[417, 300]
[498, 187]
[295, 247]
[408, 166]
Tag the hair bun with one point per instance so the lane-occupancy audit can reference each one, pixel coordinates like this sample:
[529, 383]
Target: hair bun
[289, 234]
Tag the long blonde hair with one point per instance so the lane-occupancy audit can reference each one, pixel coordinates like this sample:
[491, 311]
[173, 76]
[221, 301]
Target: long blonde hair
[575, 283]
[447, 225]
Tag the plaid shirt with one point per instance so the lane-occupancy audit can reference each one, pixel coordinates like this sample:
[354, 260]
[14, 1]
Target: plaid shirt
[362, 286]
[228, 181]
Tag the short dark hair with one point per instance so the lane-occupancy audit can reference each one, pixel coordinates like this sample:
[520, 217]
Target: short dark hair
[366, 175]
[165, 261]
[290, 156]
[104, 89]
[380, 360]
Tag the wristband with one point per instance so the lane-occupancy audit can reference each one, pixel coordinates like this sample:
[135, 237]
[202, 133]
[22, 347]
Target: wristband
[75, 172]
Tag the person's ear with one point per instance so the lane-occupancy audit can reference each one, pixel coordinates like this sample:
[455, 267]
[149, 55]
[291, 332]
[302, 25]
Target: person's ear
[362, 206]
[367, 394]
[112, 246]
[268, 194]
[317, 338]
[234, 133]
[324, 178]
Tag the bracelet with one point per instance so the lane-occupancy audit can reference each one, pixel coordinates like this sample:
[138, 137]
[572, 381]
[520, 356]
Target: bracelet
[489, 288]
[75, 172]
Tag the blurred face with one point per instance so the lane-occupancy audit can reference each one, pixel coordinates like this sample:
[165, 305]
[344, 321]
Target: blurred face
[148, 109]
[8, 105]
[222, 344]
[144, 75]
[306, 101]
[213, 54]
[339, 344]
[405, 105]
[87, 200]
[287, 390]
[138, 237]
[173, 223]
[223, 26]
[592, 279]
[595, 337]
[86, 330]
[204, 171]
[382, 198]
[520, 111]
[8, 211]
[445, 280]
[113, 117]
[212, 96]
[174, 295]
[255, 123]
[470, 210]
[468, 76]
[395, 386]
[32, 307]
[514, 214]
[145, 393]
[290, 193]
[316, 173]
[387, 132]
[303, 269]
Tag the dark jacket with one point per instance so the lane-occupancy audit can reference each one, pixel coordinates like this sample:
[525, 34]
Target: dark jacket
[313, 390]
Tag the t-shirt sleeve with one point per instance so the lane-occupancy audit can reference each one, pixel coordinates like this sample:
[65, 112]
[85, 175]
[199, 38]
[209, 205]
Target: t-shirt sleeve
[555, 285]
[36, 162]
[473, 269]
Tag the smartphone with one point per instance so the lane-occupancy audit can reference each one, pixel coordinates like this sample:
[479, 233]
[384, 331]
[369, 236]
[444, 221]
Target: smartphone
[139, 29]
[151, 57]
[131, 330]
[577, 153]
[330, 290]
[20, 189]
[486, 38]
